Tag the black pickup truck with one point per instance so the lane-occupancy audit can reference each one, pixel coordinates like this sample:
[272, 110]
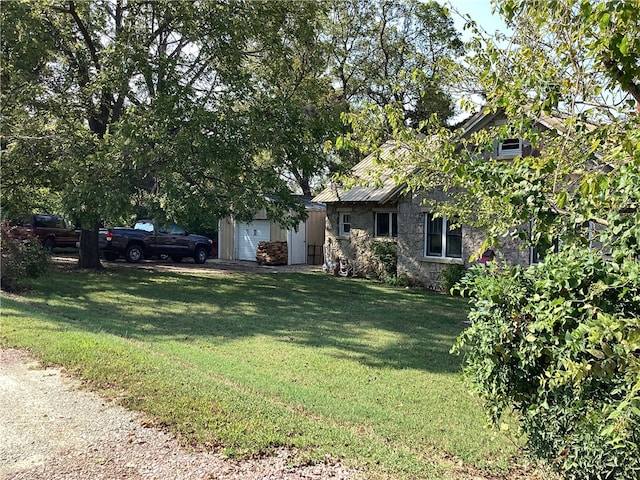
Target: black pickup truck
[148, 239]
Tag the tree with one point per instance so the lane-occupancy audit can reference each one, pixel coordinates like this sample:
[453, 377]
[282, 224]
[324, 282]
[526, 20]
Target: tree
[126, 104]
[340, 56]
[558, 344]
[389, 52]
[293, 95]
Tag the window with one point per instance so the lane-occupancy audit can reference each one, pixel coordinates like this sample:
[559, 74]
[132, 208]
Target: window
[45, 221]
[543, 249]
[176, 230]
[345, 224]
[146, 226]
[440, 240]
[510, 147]
[386, 224]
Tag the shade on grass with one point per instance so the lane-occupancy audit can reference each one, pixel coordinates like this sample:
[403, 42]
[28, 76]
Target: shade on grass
[247, 362]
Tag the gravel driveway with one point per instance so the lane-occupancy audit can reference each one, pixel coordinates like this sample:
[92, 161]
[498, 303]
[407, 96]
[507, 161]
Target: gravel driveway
[51, 430]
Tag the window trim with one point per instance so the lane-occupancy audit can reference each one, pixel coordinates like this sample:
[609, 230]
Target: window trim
[341, 224]
[445, 235]
[534, 254]
[509, 152]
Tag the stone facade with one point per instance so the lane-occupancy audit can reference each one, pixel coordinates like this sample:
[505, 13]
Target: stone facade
[413, 264]
[412, 261]
[355, 248]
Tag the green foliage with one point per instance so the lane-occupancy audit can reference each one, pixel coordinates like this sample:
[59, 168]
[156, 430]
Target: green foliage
[392, 52]
[559, 344]
[397, 281]
[451, 275]
[387, 254]
[197, 111]
[22, 260]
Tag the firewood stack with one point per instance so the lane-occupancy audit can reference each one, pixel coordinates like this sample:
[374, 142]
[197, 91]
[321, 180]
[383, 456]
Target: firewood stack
[272, 253]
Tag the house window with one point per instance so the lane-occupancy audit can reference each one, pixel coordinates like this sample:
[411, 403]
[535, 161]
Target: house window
[440, 240]
[386, 224]
[542, 249]
[510, 147]
[345, 224]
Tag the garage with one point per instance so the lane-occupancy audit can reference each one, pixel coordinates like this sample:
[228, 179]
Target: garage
[239, 240]
[249, 235]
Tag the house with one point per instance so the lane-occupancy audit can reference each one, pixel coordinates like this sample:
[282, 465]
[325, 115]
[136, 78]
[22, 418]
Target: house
[382, 211]
[240, 240]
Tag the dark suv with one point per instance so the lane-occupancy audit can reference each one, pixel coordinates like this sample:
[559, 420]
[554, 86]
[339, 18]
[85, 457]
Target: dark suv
[51, 230]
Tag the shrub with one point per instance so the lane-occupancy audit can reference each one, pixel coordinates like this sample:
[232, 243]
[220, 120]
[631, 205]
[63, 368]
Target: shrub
[559, 344]
[451, 275]
[387, 253]
[398, 281]
[22, 259]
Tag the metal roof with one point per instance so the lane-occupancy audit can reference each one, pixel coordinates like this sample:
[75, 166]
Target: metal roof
[370, 189]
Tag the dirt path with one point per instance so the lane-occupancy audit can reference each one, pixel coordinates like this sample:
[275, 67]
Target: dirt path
[51, 430]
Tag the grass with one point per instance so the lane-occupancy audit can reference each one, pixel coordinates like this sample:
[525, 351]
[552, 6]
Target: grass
[246, 363]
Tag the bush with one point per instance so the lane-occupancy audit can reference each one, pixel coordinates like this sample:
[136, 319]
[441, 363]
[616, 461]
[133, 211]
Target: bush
[451, 275]
[22, 259]
[398, 281]
[387, 254]
[559, 344]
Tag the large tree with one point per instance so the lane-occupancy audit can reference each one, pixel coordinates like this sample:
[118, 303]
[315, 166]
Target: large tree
[344, 55]
[390, 52]
[558, 344]
[194, 110]
[120, 104]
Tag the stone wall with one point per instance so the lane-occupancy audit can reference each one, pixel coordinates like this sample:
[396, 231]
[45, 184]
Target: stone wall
[412, 263]
[356, 247]
[426, 271]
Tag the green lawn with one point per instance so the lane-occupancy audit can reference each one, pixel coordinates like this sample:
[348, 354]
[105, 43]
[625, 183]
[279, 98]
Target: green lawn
[249, 362]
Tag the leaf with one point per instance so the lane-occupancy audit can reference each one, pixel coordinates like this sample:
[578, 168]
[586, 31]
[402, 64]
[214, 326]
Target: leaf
[562, 199]
[596, 353]
[624, 45]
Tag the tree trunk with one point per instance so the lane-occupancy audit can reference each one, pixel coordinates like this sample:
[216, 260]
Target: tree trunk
[304, 183]
[89, 254]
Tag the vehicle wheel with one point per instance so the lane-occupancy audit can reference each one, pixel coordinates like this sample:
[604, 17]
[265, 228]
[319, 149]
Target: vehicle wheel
[176, 258]
[48, 245]
[133, 254]
[200, 255]
[110, 256]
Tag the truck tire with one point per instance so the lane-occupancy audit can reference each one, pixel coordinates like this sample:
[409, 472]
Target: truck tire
[200, 255]
[134, 253]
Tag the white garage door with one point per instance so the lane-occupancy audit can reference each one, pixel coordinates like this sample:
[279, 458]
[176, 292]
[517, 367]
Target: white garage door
[249, 235]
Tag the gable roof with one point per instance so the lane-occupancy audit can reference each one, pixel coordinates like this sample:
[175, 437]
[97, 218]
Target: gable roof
[377, 190]
[482, 119]
[384, 188]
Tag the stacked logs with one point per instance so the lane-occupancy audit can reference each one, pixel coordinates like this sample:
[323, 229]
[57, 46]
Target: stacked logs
[272, 253]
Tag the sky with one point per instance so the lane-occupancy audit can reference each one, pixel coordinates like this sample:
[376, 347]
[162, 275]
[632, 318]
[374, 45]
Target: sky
[478, 10]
